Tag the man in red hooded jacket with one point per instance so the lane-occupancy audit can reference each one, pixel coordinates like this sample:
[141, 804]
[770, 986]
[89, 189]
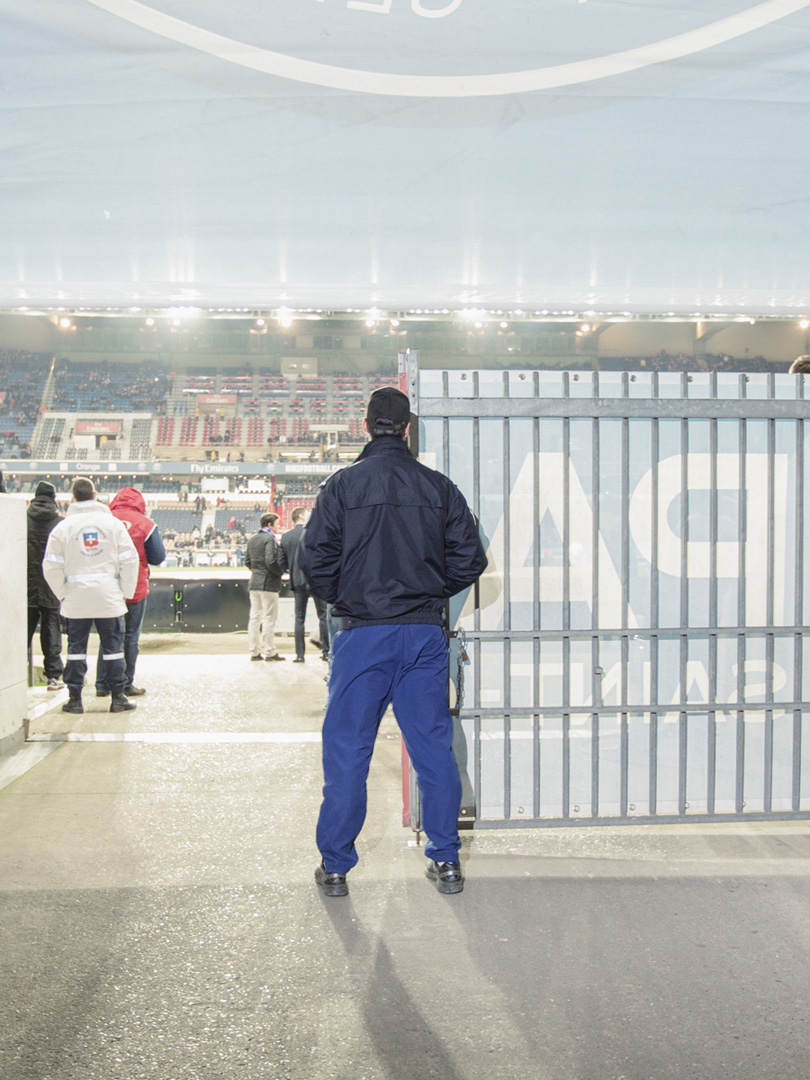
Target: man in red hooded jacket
[130, 508]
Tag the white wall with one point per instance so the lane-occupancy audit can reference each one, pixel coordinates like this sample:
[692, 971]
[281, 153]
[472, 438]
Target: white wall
[13, 623]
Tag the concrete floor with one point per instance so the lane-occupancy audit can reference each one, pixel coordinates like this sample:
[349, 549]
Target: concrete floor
[159, 918]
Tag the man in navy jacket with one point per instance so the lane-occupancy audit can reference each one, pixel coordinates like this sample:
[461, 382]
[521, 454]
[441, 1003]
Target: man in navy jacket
[388, 542]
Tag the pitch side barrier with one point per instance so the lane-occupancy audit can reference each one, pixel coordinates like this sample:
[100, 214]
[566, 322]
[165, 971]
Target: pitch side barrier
[636, 651]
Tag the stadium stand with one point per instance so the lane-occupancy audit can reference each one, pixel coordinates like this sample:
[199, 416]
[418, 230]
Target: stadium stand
[106, 387]
[175, 519]
[23, 379]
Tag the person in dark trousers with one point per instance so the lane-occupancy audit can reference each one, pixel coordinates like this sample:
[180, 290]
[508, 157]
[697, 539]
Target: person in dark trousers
[301, 593]
[388, 542]
[262, 559]
[92, 566]
[43, 606]
[129, 506]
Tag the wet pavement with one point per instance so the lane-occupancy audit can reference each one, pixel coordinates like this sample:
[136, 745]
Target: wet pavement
[159, 918]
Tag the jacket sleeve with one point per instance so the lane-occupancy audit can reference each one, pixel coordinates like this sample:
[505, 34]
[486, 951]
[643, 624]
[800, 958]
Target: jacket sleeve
[247, 555]
[153, 546]
[283, 560]
[53, 564]
[128, 563]
[271, 553]
[464, 557]
[320, 548]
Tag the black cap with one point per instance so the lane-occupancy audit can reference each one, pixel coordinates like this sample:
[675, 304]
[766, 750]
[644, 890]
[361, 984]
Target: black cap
[46, 489]
[388, 411]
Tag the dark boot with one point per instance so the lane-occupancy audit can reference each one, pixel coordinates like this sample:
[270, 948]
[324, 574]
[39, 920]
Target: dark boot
[74, 703]
[121, 703]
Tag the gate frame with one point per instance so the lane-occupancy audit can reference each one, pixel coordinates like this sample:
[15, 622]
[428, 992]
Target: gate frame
[625, 408]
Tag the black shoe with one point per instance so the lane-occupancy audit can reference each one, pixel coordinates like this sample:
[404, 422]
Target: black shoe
[102, 693]
[73, 704]
[276, 656]
[298, 660]
[331, 884]
[134, 691]
[446, 876]
[325, 657]
[259, 657]
[120, 703]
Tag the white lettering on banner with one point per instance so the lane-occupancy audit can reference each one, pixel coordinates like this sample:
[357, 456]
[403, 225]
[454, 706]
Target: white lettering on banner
[216, 468]
[578, 561]
[699, 552]
[759, 689]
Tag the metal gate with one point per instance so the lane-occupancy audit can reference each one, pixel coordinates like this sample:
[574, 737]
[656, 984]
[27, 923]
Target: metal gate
[635, 651]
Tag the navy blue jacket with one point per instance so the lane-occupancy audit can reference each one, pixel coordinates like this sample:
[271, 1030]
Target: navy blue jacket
[389, 540]
[286, 556]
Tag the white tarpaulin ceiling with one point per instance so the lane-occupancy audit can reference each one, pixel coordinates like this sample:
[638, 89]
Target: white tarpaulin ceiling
[603, 155]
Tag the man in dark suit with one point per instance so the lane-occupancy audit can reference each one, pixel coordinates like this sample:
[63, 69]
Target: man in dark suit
[43, 607]
[289, 562]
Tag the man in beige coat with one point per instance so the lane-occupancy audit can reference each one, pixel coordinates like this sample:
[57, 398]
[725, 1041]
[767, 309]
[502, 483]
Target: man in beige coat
[91, 565]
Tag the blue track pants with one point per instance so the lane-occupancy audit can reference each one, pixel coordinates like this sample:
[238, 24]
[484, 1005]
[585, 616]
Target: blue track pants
[372, 667]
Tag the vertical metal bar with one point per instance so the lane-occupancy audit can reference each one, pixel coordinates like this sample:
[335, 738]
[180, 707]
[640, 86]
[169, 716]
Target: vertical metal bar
[595, 717]
[769, 605]
[711, 734]
[536, 762]
[769, 610]
[625, 504]
[684, 597]
[566, 729]
[798, 618]
[711, 750]
[625, 622]
[408, 372]
[713, 585]
[684, 618]
[741, 614]
[624, 741]
[507, 622]
[654, 616]
[477, 772]
[682, 762]
[566, 620]
[595, 463]
[595, 658]
[798, 606]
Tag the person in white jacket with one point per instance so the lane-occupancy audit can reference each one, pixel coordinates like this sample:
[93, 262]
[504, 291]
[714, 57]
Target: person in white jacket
[91, 565]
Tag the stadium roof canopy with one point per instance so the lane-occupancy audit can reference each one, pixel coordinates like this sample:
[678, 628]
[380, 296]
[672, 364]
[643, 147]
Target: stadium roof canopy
[593, 156]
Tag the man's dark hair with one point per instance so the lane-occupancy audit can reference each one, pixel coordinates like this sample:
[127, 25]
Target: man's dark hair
[83, 489]
[298, 513]
[800, 366]
[267, 519]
